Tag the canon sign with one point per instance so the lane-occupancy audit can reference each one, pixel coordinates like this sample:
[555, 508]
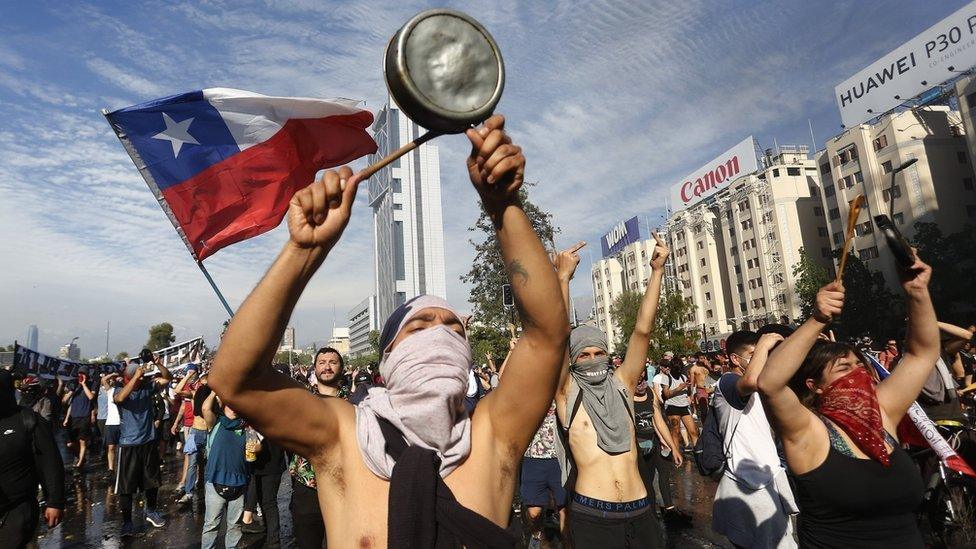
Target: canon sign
[710, 178]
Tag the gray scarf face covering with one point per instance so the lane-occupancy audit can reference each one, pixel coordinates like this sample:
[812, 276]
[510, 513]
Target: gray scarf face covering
[604, 399]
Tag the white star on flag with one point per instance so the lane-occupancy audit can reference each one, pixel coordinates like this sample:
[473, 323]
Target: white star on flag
[176, 133]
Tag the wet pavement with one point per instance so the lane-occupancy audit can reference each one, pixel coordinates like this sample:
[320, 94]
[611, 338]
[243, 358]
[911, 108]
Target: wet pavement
[92, 517]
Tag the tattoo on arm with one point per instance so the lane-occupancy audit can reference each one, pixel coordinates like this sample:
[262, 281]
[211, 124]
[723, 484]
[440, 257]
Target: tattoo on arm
[515, 269]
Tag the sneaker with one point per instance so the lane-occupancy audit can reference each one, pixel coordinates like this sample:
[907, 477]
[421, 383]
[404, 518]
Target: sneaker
[128, 530]
[155, 518]
[185, 498]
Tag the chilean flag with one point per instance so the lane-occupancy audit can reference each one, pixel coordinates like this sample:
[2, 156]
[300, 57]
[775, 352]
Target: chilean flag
[224, 163]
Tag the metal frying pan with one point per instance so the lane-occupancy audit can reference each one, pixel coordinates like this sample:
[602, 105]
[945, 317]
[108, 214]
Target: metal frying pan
[446, 73]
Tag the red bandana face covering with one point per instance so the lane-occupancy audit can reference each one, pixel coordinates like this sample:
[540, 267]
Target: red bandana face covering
[852, 403]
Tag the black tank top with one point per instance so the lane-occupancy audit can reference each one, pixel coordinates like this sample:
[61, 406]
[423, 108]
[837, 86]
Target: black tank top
[851, 502]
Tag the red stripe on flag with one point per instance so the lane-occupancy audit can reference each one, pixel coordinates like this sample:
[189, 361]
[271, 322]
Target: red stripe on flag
[248, 194]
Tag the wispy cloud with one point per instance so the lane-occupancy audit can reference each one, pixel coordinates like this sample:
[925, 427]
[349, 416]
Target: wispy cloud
[127, 80]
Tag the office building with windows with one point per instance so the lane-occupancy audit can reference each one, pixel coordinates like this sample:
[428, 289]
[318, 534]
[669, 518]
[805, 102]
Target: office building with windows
[611, 276]
[733, 253]
[408, 230]
[938, 188]
[362, 321]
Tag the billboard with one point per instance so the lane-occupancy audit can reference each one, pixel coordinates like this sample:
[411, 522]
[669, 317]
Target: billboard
[715, 175]
[917, 65]
[623, 233]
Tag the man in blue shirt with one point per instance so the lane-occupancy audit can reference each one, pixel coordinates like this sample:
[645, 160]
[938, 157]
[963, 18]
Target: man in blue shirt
[138, 467]
[226, 473]
[78, 418]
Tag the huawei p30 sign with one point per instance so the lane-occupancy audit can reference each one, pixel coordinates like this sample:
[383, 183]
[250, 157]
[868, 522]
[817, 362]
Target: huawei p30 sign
[934, 56]
[715, 175]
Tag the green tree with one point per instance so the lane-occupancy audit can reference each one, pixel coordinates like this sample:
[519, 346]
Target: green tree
[953, 261]
[488, 272]
[160, 336]
[296, 358]
[870, 308]
[809, 277]
[374, 341]
[486, 339]
[623, 314]
[668, 334]
[122, 356]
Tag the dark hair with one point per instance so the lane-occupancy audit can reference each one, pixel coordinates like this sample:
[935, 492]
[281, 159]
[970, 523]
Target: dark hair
[822, 354]
[780, 329]
[740, 340]
[323, 350]
[677, 367]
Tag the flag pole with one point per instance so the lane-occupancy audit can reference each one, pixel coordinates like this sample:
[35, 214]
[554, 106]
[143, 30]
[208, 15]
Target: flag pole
[216, 290]
[154, 188]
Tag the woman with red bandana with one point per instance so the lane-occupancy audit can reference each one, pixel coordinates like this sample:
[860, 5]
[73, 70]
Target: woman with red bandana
[855, 486]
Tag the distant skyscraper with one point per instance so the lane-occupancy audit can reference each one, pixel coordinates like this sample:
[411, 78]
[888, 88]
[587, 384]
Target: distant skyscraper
[288, 341]
[31, 342]
[408, 232]
[362, 320]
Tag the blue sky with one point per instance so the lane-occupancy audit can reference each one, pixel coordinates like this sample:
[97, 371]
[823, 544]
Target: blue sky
[613, 101]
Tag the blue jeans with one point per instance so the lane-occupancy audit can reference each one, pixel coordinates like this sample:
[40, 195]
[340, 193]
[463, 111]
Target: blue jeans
[216, 509]
[196, 459]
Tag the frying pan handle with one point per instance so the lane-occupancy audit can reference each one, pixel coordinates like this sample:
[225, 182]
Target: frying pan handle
[369, 171]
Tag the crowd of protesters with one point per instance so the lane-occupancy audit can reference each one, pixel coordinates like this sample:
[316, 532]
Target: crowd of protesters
[802, 433]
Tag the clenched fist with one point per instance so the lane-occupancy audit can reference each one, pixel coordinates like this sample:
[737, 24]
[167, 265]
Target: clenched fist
[319, 213]
[496, 166]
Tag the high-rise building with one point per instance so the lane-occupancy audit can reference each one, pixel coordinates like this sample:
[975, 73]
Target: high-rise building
[628, 269]
[938, 188]
[362, 320]
[733, 253]
[288, 340]
[70, 351]
[408, 232]
[340, 340]
[31, 342]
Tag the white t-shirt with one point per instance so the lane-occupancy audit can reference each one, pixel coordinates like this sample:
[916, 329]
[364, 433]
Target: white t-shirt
[664, 380]
[112, 417]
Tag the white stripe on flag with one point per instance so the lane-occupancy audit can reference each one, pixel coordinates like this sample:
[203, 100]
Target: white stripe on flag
[253, 118]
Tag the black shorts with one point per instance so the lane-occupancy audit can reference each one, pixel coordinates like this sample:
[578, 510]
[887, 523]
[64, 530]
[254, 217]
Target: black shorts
[112, 434]
[640, 531]
[79, 428]
[679, 411]
[138, 468]
[540, 477]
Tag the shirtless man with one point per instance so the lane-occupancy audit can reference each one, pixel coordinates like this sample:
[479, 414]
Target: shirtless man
[699, 376]
[610, 505]
[428, 358]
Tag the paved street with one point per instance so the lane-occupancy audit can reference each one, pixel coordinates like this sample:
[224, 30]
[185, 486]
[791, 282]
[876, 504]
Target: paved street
[92, 518]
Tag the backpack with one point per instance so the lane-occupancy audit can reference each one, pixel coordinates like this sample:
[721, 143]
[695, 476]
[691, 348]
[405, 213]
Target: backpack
[711, 454]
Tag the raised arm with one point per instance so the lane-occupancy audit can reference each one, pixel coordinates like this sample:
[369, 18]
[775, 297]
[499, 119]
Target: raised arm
[89, 394]
[960, 337]
[566, 263]
[496, 168]
[749, 382]
[130, 386]
[792, 420]
[207, 413]
[901, 388]
[242, 374]
[182, 384]
[633, 365]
